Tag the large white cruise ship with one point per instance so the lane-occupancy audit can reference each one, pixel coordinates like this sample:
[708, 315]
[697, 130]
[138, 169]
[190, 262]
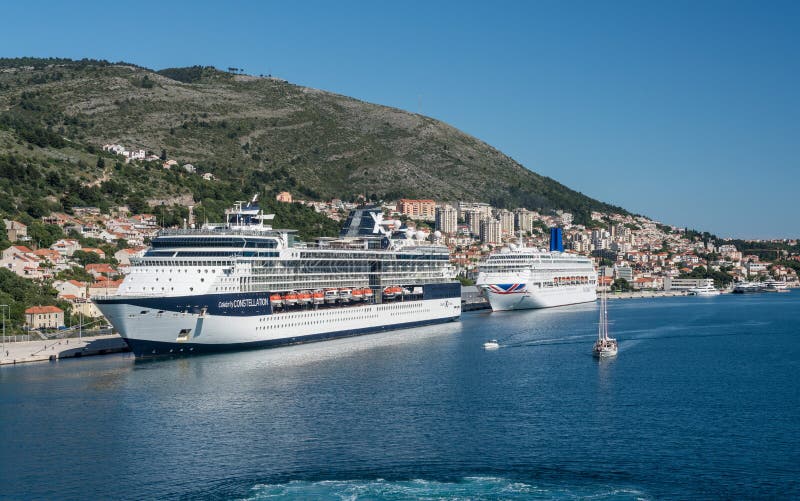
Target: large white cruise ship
[517, 277]
[242, 284]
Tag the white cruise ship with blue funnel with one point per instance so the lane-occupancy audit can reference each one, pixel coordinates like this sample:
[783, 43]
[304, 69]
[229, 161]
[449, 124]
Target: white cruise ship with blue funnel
[518, 277]
[242, 284]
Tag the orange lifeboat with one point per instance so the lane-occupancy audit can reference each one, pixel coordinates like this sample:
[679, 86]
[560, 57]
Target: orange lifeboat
[290, 299]
[276, 300]
[304, 297]
[367, 293]
[358, 294]
[318, 297]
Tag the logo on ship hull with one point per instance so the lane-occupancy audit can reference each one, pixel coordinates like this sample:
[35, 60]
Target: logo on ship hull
[506, 288]
[244, 303]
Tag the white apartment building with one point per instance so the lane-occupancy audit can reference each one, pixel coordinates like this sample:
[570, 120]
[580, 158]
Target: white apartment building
[565, 217]
[490, 231]
[756, 267]
[473, 219]
[446, 219]
[684, 284]
[506, 219]
[482, 208]
[523, 220]
[624, 271]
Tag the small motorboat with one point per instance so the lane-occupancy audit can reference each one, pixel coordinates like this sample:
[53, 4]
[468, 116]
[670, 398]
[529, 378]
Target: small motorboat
[492, 344]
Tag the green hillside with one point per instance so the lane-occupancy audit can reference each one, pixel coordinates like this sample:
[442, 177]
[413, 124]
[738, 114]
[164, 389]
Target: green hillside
[255, 134]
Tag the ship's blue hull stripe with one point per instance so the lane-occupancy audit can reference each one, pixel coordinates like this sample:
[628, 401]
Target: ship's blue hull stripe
[236, 304]
[447, 290]
[244, 304]
[144, 348]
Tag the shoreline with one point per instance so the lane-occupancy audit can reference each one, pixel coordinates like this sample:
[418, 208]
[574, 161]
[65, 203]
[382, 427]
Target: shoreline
[56, 349]
[645, 294]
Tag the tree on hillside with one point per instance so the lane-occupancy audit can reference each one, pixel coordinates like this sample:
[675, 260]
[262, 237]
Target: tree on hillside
[604, 261]
[4, 243]
[44, 235]
[163, 154]
[621, 285]
[137, 204]
[85, 258]
[101, 163]
[20, 293]
[75, 273]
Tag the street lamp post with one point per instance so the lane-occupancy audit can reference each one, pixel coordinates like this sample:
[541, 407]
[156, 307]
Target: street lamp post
[3, 308]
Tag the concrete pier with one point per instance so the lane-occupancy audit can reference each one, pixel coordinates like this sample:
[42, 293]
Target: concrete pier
[55, 349]
[471, 299]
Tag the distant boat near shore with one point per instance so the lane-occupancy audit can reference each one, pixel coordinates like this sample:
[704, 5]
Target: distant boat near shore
[746, 288]
[774, 286]
[706, 290]
[770, 285]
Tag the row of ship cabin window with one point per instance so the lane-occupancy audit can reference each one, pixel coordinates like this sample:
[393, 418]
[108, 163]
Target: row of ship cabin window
[341, 312]
[169, 270]
[314, 322]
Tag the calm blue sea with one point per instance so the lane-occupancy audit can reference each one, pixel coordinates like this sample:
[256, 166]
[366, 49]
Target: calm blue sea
[703, 401]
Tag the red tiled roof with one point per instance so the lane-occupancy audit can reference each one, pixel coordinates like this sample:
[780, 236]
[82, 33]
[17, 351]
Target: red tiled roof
[100, 267]
[107, 284]
[35, 310]
[48, 253]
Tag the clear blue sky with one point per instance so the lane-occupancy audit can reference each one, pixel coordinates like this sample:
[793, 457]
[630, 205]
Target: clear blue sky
[686, 111]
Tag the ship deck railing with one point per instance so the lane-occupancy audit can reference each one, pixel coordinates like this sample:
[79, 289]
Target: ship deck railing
[223, 231]
[138, 295]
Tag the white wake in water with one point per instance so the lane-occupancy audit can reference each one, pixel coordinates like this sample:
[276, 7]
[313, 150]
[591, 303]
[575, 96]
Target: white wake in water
[469, 488]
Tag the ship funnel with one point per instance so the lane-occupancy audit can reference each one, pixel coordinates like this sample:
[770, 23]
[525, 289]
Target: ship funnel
[556, 243]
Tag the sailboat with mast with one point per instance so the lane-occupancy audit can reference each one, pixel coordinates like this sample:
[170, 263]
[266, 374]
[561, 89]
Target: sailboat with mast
[605, 346]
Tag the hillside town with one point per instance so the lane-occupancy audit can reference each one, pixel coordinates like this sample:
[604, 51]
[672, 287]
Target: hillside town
[143, 156]
[643, 253]
[631, 252]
